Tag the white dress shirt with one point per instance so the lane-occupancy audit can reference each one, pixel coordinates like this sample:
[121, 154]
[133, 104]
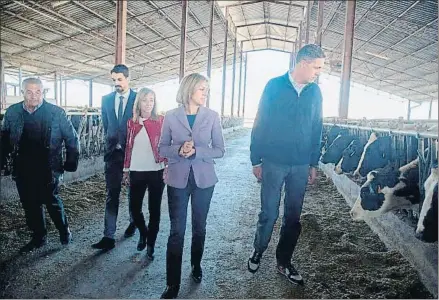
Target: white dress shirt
[298, 86]
[125, 95]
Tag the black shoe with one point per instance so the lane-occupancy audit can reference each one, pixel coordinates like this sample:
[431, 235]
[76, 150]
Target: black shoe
[197, 274]
[34, 244]
[171, 292]
[105, 244]
[150, 252]
[290, 273]
[65, 238]
[254, 261]
[142, 242]
[130, 231]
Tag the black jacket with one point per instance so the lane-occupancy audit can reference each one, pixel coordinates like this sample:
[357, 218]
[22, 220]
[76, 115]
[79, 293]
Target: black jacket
[57, 129]
[114, 132]
[288, 128]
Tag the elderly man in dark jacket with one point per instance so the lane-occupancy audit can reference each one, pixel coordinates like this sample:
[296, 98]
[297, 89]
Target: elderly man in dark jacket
[32, 136]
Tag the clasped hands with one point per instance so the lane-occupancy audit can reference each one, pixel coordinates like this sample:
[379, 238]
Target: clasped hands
[187, 149]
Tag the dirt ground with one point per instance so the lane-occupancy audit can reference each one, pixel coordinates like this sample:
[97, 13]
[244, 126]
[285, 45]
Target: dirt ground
[337, 257]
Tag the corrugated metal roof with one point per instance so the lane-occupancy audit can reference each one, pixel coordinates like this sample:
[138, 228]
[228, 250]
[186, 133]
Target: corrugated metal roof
[395, 43]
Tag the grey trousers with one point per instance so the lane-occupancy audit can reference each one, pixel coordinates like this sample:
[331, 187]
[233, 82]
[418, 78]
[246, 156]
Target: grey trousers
[274, 176]
[113, 179]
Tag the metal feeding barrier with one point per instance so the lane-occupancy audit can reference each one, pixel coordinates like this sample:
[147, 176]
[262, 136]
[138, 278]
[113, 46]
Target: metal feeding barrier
[405, 147]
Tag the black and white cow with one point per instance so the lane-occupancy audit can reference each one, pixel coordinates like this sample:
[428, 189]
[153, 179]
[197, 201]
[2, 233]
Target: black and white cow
[376, 154]
[334, 152]
[427, 228]
[387, 189]
[331, 135]
[350, 157]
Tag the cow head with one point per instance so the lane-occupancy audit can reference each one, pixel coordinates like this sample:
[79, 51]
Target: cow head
[387, 189]
[335, 150]
[350, 158]
[332, 134]
[427, 228]
[376, 154]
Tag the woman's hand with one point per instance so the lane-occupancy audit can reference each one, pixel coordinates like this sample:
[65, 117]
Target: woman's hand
[187, 149]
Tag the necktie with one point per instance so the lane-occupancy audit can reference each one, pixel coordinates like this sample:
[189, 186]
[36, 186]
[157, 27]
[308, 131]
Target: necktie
[120, 110]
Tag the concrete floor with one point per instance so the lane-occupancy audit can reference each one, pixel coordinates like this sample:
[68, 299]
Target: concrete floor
[330, 246]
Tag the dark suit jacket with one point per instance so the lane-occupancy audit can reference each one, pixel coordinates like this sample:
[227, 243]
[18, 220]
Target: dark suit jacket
[115, 132]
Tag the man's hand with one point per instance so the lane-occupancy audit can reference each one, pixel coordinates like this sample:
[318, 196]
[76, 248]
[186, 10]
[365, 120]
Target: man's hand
[312, 175]
[165, 174]
[257, 171]
[126, 178]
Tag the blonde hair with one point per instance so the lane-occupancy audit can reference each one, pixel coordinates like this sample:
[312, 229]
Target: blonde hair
[136, 107]
[188, 86]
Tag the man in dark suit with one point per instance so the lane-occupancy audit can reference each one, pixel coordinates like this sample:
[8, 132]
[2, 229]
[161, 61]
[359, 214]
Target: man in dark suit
[32, 137]
[117, 109]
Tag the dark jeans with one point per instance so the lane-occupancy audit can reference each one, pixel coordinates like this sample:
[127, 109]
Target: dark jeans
[273, 178]
[33, 194]
[139, 182]
[178, 200]
[113, 180]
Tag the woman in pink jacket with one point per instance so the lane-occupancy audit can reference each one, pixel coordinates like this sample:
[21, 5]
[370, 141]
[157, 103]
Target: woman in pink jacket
[143, 167]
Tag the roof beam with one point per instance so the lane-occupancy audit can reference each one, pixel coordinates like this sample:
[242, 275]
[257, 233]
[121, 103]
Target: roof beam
[57, 66]
[77, 3]
[193, 65]
[267, 23]
[192, 14]
[410, 35]
[388, 25]
[245, 23]
[288, 20]
[391, 83]
[407, 55]
[264, 49]
[163, 58]
[266, 19]
[259, 1]
[150, 43]
[52, 55]
[66, 36]
[357, 22]
[69, 22]
[230, 34]
[333, 15]
[361, 40]
[172, 22]
[270, 38]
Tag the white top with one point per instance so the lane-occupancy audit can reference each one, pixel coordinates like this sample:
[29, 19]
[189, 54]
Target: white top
[125, 95]
[142, 157]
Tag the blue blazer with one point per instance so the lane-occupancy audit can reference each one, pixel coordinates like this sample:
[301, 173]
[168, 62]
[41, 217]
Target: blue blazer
[115, 133]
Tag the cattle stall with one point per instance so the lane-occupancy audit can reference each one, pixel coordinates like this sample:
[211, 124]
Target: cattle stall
[405, 147]
[88, 124]
[396, 227]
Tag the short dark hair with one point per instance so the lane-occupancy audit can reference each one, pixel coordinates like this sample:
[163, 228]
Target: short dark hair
[121, 69]
[309, 52]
